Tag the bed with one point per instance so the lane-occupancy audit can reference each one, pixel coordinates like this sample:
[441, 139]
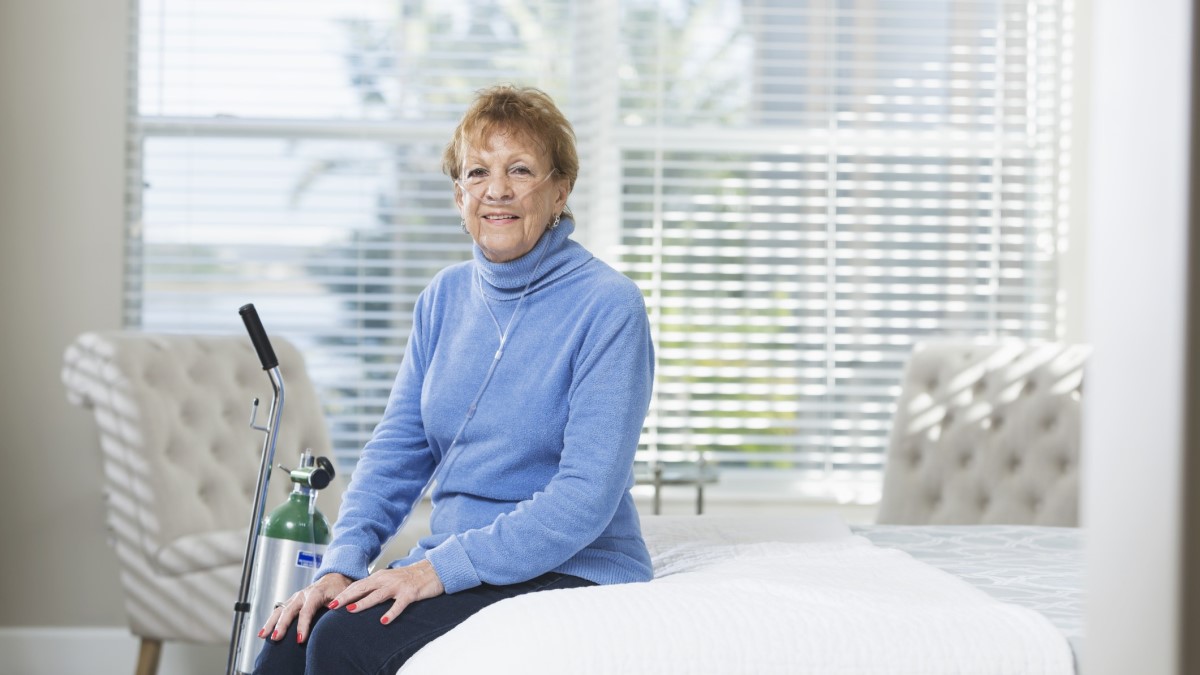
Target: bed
[799, 595]
[975, 568]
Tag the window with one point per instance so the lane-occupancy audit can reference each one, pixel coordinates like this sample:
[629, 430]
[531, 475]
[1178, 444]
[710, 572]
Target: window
[289, 154]
[802, 188]
[807, 188]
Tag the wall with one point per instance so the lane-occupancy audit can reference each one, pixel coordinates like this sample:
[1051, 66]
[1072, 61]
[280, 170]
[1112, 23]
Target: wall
[1133, 418]
[62, 119]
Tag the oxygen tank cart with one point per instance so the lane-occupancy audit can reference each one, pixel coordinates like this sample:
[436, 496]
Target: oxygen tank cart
[283, 550]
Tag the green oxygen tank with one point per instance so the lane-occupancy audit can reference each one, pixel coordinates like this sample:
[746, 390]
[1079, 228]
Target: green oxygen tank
[290, 546]
[293, 521]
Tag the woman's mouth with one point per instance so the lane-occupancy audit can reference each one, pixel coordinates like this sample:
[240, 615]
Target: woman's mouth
[500, 218]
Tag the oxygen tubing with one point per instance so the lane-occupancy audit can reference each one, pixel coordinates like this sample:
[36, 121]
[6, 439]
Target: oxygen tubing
[448, 457]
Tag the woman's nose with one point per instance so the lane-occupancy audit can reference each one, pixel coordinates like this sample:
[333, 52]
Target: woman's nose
[498, 188]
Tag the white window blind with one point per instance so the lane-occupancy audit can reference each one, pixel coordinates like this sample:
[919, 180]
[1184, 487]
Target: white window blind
[288, 153]
[802, 189]
[807, 188]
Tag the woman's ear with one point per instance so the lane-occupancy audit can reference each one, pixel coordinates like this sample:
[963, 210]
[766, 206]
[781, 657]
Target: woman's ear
[560, 198]
[458, 198]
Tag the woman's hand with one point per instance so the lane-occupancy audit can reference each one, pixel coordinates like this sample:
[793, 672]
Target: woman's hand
[303, 604]
[402, 585]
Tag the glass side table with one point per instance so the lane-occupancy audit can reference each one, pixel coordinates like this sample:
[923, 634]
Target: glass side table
[659, 474]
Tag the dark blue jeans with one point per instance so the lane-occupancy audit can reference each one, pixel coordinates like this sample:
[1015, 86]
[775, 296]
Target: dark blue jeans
[341, 642]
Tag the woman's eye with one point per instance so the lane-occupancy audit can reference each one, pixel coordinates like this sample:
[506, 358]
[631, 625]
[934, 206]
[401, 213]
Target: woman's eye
[521, 171]
[476, 173]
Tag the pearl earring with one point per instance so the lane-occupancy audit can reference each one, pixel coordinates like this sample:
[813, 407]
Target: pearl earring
[555, 223]
[464, 226]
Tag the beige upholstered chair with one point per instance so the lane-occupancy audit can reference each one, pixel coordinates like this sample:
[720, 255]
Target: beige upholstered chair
[180, 468]
[986, 434]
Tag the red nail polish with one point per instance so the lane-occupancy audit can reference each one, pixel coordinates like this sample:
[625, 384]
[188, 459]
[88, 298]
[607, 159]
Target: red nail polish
[333, 605]
[351, 607]
[385, 621]
[262, 632]
[299, 638]
[275, 635]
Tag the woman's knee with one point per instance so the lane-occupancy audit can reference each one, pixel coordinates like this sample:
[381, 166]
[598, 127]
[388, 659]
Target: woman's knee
[339, 642]
[328, 633]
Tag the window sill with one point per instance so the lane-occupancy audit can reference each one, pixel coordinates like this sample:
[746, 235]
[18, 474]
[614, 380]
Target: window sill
[761, 492]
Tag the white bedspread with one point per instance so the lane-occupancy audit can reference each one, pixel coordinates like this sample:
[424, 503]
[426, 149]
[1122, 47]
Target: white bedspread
[763, 597]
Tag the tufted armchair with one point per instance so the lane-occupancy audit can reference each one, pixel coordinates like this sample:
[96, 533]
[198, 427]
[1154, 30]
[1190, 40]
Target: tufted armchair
[181, 465]
[986, 434]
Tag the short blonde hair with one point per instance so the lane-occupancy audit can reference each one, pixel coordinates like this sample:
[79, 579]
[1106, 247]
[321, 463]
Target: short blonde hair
[525, 111]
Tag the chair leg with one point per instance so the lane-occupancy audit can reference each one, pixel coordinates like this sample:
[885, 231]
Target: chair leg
[148, 656]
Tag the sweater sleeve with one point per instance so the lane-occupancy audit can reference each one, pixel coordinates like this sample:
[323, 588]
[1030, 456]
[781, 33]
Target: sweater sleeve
[391, 471]
[607, 403]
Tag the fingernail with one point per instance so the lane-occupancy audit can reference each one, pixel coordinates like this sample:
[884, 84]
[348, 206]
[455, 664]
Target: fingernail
[351, 607]
[299, 638]
[262, 632]
[385, 621]
[333, 605]
[275, 635]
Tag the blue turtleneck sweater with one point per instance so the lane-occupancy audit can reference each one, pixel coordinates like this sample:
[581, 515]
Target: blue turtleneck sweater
[539, 478]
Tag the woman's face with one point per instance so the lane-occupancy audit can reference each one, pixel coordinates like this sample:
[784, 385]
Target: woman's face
[508, 193]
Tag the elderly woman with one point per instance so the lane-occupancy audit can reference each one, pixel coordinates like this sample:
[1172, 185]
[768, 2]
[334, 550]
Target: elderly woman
[521, 398]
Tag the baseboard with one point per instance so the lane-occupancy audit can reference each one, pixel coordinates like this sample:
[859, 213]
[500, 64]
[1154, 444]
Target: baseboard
[97, 651]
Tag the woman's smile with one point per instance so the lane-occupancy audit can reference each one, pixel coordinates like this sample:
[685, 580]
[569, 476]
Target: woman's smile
[500, 218]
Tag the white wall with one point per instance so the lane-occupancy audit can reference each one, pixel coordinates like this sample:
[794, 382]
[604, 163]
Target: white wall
[62, 108]
[1133, 423]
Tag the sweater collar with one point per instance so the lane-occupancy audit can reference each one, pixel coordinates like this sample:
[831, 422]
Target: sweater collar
[553, 256]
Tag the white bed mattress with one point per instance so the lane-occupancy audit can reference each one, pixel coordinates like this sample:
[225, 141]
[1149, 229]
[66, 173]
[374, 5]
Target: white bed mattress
[769, 596]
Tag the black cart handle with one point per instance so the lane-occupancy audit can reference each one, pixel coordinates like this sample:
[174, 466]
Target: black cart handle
[258, 336]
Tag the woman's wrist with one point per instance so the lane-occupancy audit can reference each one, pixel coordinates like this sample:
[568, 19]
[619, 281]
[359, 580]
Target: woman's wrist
[427, 578]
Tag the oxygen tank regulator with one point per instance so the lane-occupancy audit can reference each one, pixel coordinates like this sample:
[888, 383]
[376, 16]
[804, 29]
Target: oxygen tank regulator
[298, 519]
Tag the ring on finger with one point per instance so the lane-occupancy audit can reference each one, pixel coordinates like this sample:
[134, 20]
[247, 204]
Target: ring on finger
[280, 604]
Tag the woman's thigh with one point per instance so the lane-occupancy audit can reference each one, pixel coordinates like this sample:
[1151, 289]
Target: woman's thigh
[345, 642]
